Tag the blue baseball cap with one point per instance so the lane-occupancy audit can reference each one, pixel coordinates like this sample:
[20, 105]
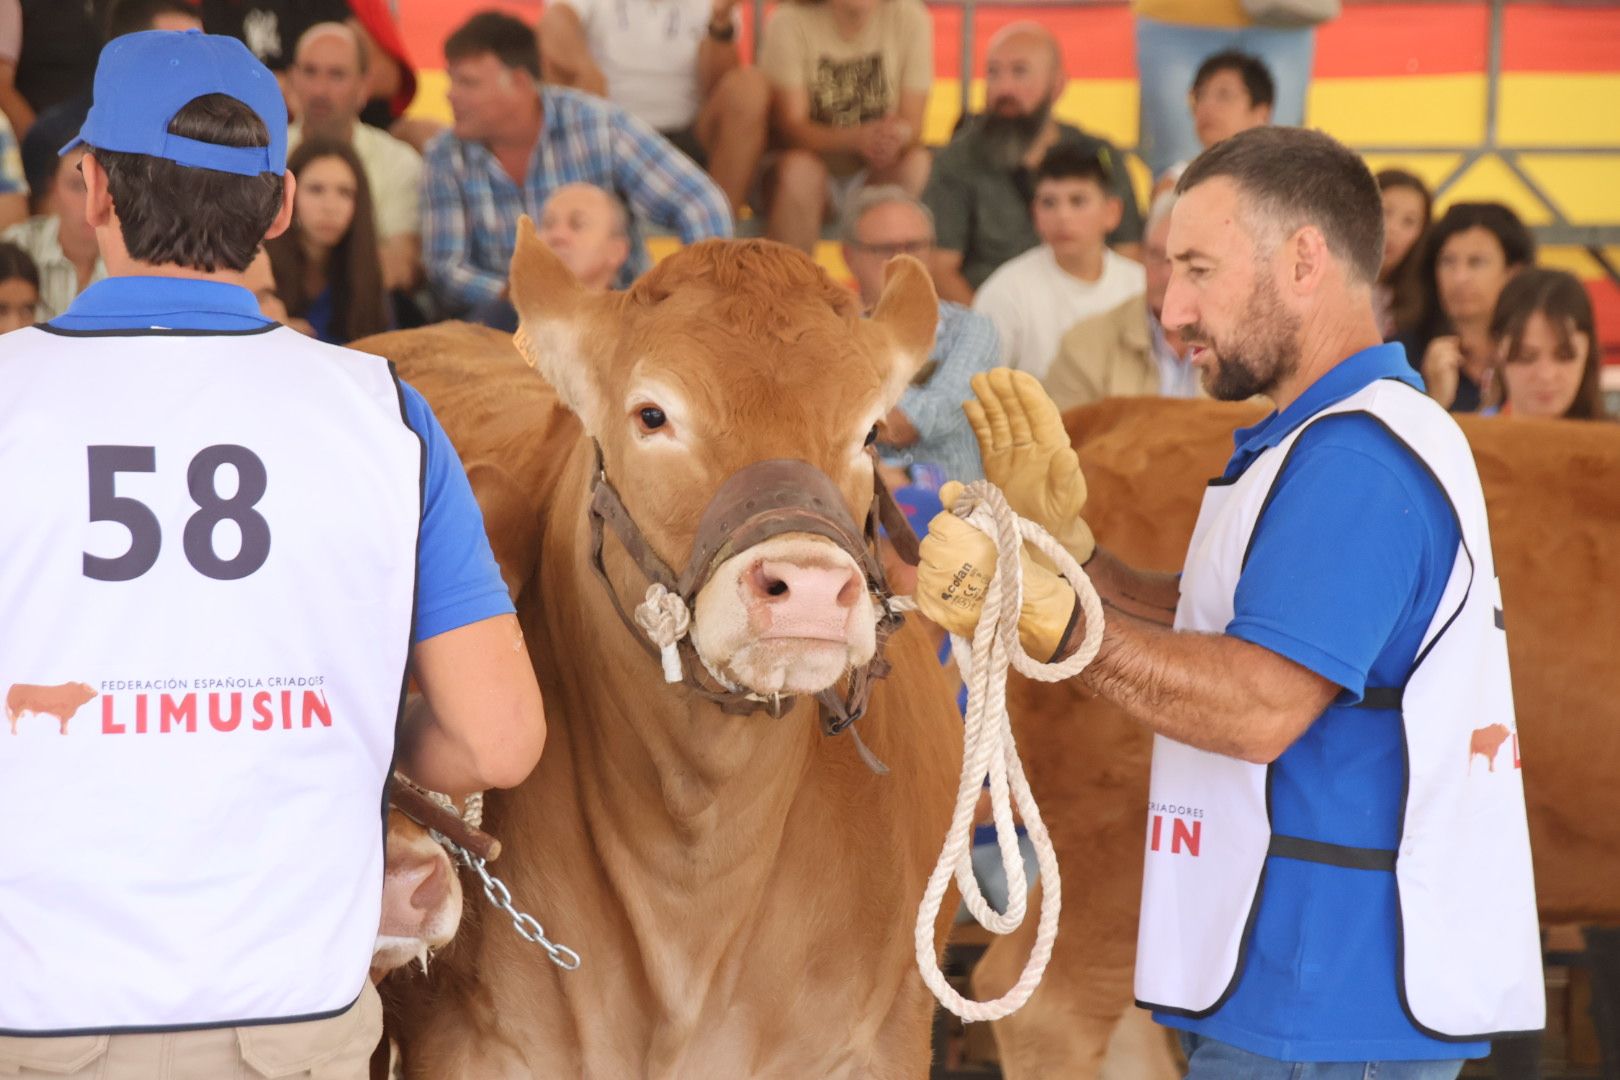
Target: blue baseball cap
[143, 79]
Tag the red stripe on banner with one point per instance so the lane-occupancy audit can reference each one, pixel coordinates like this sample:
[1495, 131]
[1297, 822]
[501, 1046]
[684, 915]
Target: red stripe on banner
[1404, 39]
[1098, 41]
[1542, 37]
[425, 24]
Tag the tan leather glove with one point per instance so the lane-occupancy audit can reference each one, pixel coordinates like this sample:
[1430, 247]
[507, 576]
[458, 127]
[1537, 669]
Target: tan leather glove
[956, 564]
[1027, 455]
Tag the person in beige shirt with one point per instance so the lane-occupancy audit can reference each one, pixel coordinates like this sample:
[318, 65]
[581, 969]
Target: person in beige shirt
[327, 82]
[849, 84]
[1126, 351]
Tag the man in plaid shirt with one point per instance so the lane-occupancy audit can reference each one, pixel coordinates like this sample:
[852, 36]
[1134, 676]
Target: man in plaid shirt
[513, 143]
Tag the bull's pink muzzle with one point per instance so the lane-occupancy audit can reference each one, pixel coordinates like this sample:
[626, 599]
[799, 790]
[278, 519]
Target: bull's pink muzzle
[791, 600]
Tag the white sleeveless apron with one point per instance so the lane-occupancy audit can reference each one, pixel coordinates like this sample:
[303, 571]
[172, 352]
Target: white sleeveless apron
[208, 578]
[1469, 953]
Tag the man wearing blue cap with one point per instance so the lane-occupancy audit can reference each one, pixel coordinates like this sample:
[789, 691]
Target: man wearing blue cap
[224, 544]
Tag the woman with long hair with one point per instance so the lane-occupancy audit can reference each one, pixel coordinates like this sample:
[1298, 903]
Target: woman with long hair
[327, 267]
[1408, 207]
[1469, 255]
[1547, 349]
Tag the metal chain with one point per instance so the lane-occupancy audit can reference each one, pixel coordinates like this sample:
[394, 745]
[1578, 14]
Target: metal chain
[526, 925]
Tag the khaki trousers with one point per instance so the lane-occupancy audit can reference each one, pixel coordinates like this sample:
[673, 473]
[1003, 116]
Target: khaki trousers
[338, 1048]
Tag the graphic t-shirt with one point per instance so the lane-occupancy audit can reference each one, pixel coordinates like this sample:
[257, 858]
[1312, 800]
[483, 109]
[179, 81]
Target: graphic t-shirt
[850, 82]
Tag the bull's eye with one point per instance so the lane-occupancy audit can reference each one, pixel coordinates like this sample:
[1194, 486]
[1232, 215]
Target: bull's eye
[651, 418]
[871, 436]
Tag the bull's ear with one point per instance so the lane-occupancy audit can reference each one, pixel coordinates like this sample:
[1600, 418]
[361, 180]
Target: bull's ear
[908, 314]
[553, 311]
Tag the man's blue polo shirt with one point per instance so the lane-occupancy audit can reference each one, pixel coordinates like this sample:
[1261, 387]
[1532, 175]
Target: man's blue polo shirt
[1344, 575]
[457, 580]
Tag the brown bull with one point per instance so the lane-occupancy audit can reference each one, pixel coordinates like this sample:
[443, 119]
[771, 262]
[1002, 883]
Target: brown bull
[60, 702]
[1555, 526]
[741, 888]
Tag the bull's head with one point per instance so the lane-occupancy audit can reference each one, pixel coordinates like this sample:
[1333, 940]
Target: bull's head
[726, 355]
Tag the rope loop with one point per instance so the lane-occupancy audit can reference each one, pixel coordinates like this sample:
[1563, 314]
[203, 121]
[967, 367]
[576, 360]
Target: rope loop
[988, 749]
[665, 619]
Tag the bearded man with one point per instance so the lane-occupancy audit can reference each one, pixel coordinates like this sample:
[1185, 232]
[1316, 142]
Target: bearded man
[980, 189]
[1335, 894]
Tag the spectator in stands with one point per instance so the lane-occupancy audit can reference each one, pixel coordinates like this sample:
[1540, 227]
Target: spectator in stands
[514, 142]
[19, 288]
[1127, 350]
[1232, 92]
[60, 241]
[327, 268]
[981, 183]
[1468, 256]
[849, 85]
[1035, 298]
[1407, 209]
[1173, 37]
[1547, 351]
[589, 230]
[13, 106]
[57, 126]
[672, 64]
[13, 185]
[928, 424]
[55, 44]
[327, 83]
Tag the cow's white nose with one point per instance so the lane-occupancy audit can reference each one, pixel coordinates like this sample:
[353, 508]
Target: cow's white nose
[791, 600]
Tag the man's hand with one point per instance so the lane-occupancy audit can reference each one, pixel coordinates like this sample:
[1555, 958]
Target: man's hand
[954, 571]
[1027, 455]
[881, 142]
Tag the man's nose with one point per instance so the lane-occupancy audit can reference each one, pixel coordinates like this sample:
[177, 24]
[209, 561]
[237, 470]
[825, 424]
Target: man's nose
[1178, 311]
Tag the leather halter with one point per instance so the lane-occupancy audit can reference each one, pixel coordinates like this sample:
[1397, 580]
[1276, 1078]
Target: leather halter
[759, 501]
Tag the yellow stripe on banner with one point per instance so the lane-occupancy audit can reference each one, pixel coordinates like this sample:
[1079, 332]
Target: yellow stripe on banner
[1488, 180]
[431, 101]
[1103, 107]
[1559, 110]
[1577, 261]
[1583, 186]
[1430, 168]
[1436, 111]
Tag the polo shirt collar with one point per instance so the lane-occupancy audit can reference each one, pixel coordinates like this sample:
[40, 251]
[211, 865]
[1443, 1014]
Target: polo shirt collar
[1355, 372]
[144, 303]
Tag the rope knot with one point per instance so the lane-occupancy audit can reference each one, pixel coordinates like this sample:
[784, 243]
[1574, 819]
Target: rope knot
[665, 619]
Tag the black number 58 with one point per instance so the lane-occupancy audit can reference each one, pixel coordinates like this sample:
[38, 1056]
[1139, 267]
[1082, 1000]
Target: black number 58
[146, 536]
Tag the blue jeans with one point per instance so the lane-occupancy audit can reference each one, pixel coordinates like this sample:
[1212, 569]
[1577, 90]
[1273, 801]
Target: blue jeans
[992, 880]
[1209, 1059]
[1167, 58]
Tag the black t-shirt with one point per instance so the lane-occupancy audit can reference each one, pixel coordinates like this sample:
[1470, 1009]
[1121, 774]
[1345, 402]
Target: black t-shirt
[61, 40]
[270, 28]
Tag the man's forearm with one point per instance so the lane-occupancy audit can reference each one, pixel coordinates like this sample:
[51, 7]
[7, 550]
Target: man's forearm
[951, 285]
[1210, 691]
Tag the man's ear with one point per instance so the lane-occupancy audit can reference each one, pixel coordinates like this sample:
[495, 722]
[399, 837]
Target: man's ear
[98, 204]
[1308, 256]
[283, 220]
[1113, 213]
[554, 311]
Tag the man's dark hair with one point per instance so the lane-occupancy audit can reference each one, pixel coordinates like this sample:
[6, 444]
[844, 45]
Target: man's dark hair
[1256, 76]
[1066, 161]
[16, 263]
[133, 16]
[1290, 177]
[512, 41]
[200, 219]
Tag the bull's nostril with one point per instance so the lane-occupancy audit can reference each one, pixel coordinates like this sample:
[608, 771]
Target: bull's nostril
[851, 591]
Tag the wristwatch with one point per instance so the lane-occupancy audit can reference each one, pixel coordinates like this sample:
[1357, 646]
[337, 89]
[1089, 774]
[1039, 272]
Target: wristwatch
[722, 31]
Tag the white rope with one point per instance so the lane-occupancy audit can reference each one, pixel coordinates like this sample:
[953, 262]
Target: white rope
[988, 749]
[665, 619]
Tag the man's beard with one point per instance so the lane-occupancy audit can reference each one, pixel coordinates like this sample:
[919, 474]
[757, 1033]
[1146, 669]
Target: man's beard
[1008, 138]
[1263, 352]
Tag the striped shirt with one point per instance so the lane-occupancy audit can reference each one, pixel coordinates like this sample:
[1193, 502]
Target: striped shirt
[471, 207]
[58, 278]
[12, 181]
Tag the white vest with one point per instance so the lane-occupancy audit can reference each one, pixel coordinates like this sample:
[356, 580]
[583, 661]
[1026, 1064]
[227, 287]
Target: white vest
[204, 682]
[1469, 955]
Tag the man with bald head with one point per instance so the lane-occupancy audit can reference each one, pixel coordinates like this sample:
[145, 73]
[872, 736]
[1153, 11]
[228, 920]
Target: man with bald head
[327, 84]
[589, 230]
[982, 182]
